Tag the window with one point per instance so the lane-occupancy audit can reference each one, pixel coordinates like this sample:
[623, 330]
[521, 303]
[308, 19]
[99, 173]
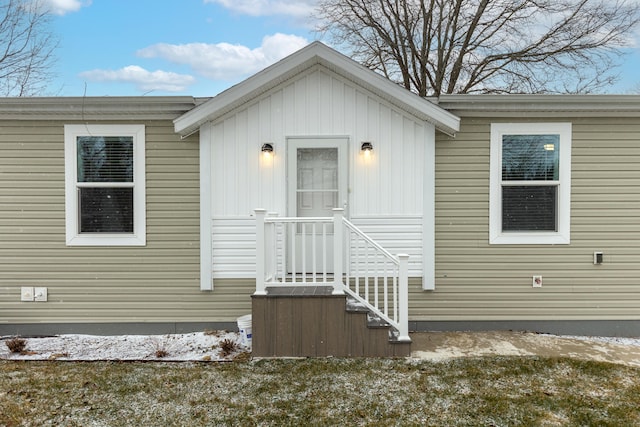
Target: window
[105, 185]
[530, 185]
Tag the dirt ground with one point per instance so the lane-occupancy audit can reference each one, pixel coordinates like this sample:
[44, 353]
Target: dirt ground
[444, 345]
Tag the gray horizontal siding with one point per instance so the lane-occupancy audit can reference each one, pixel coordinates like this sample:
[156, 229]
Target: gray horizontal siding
[155, 283]
[476, 281]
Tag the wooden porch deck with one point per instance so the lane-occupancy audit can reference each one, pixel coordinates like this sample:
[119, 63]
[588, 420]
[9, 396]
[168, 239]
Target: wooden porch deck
[309, 321]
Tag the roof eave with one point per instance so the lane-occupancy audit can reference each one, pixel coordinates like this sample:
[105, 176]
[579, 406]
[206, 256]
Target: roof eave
[541, 105]
[95, 108]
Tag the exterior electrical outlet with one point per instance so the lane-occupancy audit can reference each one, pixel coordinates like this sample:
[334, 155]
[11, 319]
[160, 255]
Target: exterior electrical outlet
[537, 281]
[40, 294]
[26, 293]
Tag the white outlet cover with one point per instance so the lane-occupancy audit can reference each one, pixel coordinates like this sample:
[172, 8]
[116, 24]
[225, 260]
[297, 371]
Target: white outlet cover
[40, 294]
[26, 293]
[537, 281]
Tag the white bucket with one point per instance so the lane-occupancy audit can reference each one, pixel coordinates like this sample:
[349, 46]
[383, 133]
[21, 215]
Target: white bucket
[244, 325]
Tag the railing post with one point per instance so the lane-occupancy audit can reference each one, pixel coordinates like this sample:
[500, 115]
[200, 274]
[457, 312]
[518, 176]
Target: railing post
[260, 252]
[338, 248]
[403, 296]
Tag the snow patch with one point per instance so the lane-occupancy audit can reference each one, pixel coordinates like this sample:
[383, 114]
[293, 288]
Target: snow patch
[197, 346]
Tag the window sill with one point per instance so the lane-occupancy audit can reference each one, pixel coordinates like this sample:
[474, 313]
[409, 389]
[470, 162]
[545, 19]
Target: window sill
[106, 240]
[529, 239]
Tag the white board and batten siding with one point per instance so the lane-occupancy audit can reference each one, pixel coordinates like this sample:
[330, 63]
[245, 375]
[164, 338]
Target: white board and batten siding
[388, 192]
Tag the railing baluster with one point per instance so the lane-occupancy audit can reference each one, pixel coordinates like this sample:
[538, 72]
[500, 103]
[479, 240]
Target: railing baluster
[347, 268]
[273, 255]
[293, 229]
[283, 259]
[366, 272]
[357, 266]
[324, 252]
[338, 249]
[268, 244]
[375, 280]
[386, 288]
[303, 270]
[313, 252]
[395, 298]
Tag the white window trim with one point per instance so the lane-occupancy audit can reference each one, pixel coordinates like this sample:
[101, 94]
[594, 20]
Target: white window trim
[73, 236]
[563, 235]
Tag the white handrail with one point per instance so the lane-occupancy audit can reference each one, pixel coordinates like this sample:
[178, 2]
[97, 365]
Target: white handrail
[295, 251]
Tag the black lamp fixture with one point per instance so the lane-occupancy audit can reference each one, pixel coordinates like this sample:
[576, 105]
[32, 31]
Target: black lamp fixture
[267, 147]
[366, 147]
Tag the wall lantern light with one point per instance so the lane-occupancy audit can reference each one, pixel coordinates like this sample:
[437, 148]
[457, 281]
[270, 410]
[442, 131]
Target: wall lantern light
[267, 148]
[366, 147]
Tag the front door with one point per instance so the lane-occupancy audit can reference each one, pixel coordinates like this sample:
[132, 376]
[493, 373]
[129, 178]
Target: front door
[317, 183]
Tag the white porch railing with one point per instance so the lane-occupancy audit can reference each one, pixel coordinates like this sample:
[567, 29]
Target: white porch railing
[294, 251]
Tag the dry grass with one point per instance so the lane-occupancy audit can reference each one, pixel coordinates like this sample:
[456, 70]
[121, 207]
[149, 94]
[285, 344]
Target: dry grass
[496, 391]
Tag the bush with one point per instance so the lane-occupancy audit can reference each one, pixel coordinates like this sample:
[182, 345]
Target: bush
[227, 347]
[16, 345]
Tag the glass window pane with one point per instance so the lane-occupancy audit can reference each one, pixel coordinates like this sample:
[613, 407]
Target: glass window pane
[105, 159]
[527, 208]
[106, 210]
[317, 168]
[530, 157]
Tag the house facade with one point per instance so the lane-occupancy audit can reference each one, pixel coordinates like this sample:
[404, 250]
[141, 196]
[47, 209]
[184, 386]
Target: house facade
[589, 267]
[139, 214]
[150, 277]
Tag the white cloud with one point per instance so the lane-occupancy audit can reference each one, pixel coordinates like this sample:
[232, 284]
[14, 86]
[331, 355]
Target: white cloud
[224, 61]
[297, 8]
[143, 79]
[62, 7]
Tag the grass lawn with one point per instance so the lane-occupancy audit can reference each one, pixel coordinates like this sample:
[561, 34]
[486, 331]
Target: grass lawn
[490, 391]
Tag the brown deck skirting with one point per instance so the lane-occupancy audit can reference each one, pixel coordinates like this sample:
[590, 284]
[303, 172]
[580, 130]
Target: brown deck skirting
[308, 321]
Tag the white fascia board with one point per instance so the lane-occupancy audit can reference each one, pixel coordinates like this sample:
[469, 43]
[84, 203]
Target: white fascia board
[316, 53]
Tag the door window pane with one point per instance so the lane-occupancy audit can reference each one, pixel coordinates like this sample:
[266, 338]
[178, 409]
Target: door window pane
[317, 183]
[317, 168]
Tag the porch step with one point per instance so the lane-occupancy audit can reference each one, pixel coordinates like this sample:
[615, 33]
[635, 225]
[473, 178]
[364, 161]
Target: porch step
[290, 322]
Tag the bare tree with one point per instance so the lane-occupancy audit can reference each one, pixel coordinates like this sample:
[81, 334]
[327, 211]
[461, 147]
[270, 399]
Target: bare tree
[26, 47]
[435, 47]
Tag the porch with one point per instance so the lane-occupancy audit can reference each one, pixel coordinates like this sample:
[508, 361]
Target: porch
[324, 288]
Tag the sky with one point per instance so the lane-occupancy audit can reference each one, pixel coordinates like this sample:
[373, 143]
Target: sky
[188, 47]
